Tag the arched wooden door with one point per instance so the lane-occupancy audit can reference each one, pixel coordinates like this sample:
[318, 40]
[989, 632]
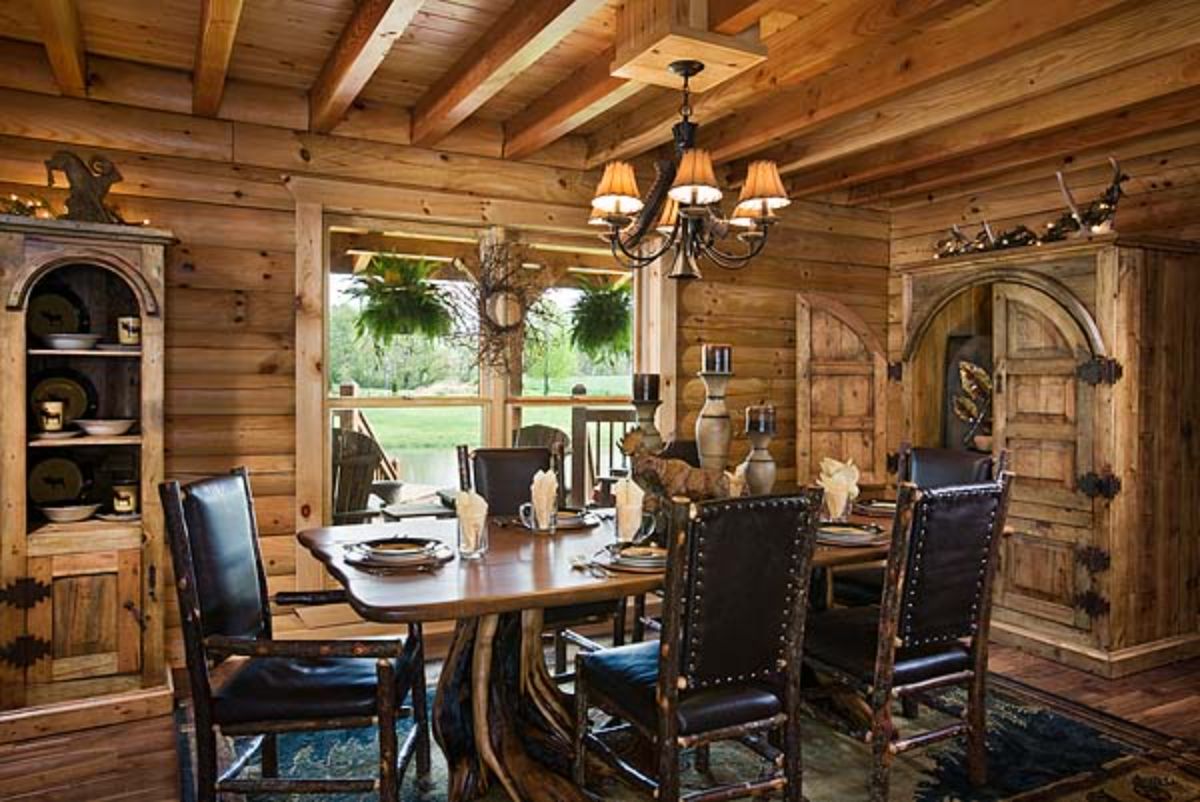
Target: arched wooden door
[841, 384]
[1043, 417]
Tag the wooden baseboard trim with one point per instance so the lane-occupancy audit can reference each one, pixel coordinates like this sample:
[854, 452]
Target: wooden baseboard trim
[36, 722]
[1111, 664]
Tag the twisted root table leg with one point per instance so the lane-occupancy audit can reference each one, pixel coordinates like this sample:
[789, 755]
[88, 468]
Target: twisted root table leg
[498, 714]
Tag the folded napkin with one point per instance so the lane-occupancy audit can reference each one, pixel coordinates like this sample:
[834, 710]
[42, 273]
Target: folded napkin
[840, 481]
[471, 510]
[629, 508]
[544, 495]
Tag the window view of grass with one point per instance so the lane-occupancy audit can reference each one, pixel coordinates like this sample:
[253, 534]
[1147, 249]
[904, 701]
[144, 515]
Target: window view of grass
[422, 439]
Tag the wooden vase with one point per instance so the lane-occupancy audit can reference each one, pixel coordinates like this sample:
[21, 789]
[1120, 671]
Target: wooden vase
[760, 465]
[651, 437]
[714, 429]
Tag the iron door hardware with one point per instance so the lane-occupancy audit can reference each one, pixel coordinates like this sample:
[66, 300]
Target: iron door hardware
[1094, 485]
[1100, 370]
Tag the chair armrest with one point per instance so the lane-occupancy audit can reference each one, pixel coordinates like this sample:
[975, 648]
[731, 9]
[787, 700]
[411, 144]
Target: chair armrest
[309, 598]
[250, 647]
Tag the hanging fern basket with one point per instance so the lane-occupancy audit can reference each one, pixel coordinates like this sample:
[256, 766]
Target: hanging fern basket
[399, 299]
[601, 321]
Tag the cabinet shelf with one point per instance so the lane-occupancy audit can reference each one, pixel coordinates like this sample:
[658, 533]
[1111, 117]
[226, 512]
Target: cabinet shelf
[87, 441]
[85, 352]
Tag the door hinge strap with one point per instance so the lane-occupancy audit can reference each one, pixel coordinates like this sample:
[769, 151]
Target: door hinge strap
[1093, 485]
[24, 650]
[1092, 603]
[24, 593]
[1100, 370]
[895, 371]
[1093, 558]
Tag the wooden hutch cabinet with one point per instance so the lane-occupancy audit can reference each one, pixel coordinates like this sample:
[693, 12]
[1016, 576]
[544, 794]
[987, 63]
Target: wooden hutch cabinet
[81, 604]
[1094, 348]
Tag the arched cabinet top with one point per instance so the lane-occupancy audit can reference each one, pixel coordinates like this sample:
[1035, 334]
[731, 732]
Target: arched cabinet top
[31, 274]
[1051, 287]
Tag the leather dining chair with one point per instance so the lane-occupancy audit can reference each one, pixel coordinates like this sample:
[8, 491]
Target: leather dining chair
[931, 628]
[727, 665]
[281, 686]
[926, 468]
[503, 477]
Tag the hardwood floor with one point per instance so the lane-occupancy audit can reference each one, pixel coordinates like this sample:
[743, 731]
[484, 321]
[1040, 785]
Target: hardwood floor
[136, 762]
[1165, 699]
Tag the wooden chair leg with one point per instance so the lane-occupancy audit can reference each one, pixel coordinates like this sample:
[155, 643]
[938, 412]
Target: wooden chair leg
[270, 755]
[386, 701]
[668, 770]
[579, 767]
[420, 704]
[881, 757]
[618, 634]
[977, 730]
[206, 764]
[703, 758]
[793, 765]
[910, 707]
[560, 652]
[639, 616]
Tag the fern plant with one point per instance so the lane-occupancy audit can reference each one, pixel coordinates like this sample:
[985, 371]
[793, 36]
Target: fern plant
[601, 320]
[398, 299]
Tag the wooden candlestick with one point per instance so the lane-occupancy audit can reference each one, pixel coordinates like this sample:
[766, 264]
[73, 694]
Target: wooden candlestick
[714, 430]
[651, 437]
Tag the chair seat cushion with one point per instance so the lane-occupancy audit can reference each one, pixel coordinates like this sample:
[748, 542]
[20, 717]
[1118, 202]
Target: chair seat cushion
[627, 675]
[846, 638]
[857, 587]
[287, 689]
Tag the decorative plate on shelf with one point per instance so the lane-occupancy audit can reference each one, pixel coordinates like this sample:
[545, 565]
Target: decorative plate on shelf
[55, 480]
[68, 513]
[129, 349]
[105, 428]
[65, 434]
[119, 517]
[75, 390]
[57, 311]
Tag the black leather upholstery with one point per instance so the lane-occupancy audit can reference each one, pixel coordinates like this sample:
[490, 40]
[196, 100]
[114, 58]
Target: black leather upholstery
[224, 548]
[942, 467]
[846, 638]
[503, 475]
[952, 532]
[283, 689]
[627, 675]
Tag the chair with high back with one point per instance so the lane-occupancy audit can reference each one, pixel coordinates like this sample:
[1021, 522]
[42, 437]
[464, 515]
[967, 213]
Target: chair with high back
[926, 468]
[356, 459]
[282, 686]
[503, 477]
[931, 629]
[728, 664]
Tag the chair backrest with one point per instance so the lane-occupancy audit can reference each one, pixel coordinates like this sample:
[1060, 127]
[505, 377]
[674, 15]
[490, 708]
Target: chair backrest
[503, 475]
[219, 576]
[943, 467]
[948, 553]
[742, 576]
[596, 434]
[538, 434]
[356, 459]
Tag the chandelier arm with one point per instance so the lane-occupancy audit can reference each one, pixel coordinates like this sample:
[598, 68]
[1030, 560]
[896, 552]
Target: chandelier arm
[732, 261]
[664, 170]
[618, 245]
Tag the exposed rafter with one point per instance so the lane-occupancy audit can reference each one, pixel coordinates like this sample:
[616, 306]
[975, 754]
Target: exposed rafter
[365, 41]
[63, 37]
[218, 28]
[818, 42]
[520, 37]
[583, 96]
[1157, 94]
[734, 16]
[1075, 53]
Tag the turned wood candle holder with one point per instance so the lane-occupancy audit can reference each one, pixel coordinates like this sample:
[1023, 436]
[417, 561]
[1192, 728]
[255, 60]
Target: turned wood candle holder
[760, 465]
[714, 430]
[651, 437]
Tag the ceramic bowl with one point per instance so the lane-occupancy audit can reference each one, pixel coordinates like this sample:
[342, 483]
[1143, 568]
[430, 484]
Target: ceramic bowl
[104, 428]
[71, 342]
[69, 513]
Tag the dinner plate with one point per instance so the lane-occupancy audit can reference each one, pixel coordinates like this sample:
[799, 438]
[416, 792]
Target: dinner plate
[607, 560]
[850, 535]
[119, 517]
[66, 434]
[401, 552]
[876, 509]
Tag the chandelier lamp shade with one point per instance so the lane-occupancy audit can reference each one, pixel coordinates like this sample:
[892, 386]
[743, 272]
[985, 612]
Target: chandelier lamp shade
[682, 209]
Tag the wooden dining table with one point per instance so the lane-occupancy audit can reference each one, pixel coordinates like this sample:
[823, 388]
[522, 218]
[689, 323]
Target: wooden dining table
[498, 715]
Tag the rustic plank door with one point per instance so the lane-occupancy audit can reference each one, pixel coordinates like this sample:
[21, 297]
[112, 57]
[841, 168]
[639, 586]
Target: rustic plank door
[841, 383]
[1043, 415]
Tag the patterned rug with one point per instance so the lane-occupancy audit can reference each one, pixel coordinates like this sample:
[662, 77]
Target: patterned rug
[1040, 748]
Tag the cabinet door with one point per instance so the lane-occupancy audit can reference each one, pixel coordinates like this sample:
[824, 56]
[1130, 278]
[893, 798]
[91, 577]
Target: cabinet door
[89, 621]
[841, 382]
[1043, 416]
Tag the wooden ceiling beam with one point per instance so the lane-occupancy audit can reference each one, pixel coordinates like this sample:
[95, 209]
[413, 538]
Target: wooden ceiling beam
[361, 48]
[940, 66]
[218, 28]
[831, 34]
[63, 37]
[342, 243]
[519, 38]
[734, 16]
[581, 97]
[1158, 94]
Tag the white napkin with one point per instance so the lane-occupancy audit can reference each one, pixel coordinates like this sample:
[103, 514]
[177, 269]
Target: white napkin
[544, 495]
[629, 508]
[840, 481]
[737, 481]
[471, 510]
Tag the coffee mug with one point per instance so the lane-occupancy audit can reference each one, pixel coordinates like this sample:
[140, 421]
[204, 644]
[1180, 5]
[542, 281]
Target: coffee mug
[50, 416]
[525, 513]
[129, 330]
[125, 499]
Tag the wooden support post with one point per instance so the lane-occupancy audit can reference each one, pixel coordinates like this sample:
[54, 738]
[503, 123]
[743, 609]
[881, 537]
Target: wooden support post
[311, 426]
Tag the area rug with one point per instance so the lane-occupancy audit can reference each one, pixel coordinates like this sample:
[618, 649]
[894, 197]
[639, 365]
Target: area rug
[1040, 748]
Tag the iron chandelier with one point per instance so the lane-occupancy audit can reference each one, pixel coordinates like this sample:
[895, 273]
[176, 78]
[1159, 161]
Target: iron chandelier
[683, 205]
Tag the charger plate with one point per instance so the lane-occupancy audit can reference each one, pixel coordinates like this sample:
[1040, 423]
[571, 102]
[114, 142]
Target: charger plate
[850, 535]
[635, 559]
[399, 552]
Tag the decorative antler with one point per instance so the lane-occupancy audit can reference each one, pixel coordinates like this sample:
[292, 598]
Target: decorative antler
[1069, 198]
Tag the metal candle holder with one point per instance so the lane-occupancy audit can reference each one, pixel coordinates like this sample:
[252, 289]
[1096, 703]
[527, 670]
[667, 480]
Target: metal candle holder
[714, 431]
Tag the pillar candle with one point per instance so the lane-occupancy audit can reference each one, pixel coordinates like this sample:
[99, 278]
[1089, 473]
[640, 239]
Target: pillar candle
[760, 419]
[717, 358]
[646, 387]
